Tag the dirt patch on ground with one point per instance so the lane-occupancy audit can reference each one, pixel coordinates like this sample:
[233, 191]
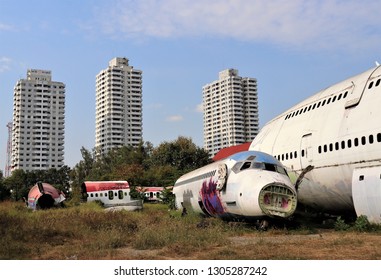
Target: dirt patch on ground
[328, 245]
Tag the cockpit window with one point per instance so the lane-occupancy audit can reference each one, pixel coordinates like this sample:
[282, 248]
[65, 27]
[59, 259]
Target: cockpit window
[270, 167]
[239, 166]
[245, 165]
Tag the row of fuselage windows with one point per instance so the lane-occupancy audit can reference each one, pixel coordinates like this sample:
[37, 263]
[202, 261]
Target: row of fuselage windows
[364, 140]
[327, 101]
[110, 194]
[317, 105]
[349, 143]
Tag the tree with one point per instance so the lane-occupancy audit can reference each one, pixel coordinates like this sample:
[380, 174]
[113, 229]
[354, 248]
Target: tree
[181, 153]
[82, 169]
[4, 192]
[143, 165]
[167, 197]
[133, 173]
[17, 184]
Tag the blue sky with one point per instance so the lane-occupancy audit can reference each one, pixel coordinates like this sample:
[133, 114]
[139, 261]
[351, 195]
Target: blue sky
[293, 47]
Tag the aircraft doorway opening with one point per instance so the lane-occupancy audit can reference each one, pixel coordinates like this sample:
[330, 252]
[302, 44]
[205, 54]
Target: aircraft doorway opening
[306, 150]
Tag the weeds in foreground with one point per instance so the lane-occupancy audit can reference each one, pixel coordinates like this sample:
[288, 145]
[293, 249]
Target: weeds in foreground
[86, 231]
[361, 224]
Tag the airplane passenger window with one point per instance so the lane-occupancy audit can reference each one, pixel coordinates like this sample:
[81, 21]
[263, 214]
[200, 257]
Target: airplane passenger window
[343, 145]
[378, 82]
[333, 99]
[363, 140]
[325, 148]
[349, 143]
[337, 146]
[339, 97]
[356, 142]
[331, 147]
[302, 153]
[295, 154]
[329, 100]
[120, 194]
[319, 149]
[370, 85]
[322, 104]
[371, 139]
[345, 94]
[378, 137]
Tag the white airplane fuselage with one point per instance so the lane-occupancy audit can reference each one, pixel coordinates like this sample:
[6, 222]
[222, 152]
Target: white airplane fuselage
[245, 185]
[334, 138]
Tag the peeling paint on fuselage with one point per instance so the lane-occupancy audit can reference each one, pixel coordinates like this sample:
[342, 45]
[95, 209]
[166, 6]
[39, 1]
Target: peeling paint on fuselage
[210, 198]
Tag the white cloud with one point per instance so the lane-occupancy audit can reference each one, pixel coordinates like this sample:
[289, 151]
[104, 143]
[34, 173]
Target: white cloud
[5, 27]
[4, 64]
[175, 118]
[298, 23]
[199, 108]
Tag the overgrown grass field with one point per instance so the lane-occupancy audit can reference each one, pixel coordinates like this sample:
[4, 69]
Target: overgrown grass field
[89, 232]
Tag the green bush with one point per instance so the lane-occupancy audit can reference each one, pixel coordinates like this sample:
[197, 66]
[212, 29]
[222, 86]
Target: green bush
[362, 224]
[340, 225]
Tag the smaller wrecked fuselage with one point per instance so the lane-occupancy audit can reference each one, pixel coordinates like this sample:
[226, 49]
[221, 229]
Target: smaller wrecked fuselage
[114, 195]
[44, 196]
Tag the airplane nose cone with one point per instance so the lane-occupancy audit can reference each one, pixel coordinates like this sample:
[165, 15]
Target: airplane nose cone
[278, 200]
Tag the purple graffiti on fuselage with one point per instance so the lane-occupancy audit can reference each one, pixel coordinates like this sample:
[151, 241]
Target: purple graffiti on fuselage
[211, 198]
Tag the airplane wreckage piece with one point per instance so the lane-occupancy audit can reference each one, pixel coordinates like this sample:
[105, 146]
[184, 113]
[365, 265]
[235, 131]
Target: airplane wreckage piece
[246, 185]
[114, 195]
[330, 144]
[44, 196]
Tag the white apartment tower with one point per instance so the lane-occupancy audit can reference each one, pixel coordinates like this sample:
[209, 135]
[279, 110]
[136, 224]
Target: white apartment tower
[118, 106]
[38, 122]
[230, 107]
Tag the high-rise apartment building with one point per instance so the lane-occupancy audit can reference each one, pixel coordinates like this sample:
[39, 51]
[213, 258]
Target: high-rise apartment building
[38, 130]
[118, 106]
[230, 107]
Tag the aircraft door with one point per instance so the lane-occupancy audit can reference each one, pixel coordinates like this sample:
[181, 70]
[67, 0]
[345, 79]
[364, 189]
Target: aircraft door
[306, 150]
[366, 192]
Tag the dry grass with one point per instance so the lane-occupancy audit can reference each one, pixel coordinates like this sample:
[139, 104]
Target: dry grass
[89, 232]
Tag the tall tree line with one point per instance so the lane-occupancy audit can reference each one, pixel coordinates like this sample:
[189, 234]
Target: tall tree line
[144, 165]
